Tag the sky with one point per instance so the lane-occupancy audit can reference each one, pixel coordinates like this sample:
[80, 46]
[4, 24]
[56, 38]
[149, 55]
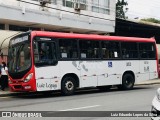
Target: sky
[143, 9]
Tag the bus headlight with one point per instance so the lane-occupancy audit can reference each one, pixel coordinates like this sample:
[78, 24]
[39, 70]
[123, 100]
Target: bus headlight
[28, 77]
[158, 94]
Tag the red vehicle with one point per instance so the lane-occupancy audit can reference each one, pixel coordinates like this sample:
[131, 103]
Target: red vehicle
[44, 61]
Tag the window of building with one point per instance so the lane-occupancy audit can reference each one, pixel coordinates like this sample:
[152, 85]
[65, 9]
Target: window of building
[110, 49]
[100, 6]
[18, 28]
[21, 28]
[129, 50]
[68, 49]
[76, 4]
[147, 50]
[89, 49]
[2, 26]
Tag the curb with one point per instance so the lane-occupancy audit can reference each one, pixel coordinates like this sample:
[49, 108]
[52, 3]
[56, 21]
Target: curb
[147, 84]
[11, 94]
[157, 81]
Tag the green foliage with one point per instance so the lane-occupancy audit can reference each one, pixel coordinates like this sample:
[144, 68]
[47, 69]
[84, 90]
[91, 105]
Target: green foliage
[120, 13]
[153, 20]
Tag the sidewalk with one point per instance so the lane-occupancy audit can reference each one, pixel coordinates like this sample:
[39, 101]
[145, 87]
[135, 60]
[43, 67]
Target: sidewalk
[8, 93]
[150, 82]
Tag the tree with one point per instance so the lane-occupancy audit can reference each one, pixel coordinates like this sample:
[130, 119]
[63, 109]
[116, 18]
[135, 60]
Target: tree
[120, 10]
[152, 20]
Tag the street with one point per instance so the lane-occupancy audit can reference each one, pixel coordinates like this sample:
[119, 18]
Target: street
[138, 99]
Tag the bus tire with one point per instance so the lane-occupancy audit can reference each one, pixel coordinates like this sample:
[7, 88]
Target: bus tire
[127, 82]
[104, 88]
[68, 86]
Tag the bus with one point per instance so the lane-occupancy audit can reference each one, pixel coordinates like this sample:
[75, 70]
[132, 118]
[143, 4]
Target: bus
[48, 61]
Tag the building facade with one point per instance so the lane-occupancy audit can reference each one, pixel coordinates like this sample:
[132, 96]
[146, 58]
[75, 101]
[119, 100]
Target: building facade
[80, 16]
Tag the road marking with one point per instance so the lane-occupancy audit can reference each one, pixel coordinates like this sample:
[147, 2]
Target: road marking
[80, 108]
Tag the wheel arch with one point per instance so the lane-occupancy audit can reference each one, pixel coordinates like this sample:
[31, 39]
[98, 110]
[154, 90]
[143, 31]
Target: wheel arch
[128, 72]
[73, 75]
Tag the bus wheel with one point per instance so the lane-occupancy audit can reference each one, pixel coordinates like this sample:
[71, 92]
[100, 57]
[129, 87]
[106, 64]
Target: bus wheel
[104, 88]
[127, 82]
[68, 86]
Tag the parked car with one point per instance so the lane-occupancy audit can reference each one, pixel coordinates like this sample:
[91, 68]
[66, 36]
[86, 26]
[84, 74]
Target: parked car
[156, 106]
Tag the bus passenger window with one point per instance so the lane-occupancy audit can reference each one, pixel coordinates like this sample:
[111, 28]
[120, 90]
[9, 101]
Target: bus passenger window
[89, 49]
[110, 49]
[44, 53]
[129, 50]
[147, 50]
[68, 48]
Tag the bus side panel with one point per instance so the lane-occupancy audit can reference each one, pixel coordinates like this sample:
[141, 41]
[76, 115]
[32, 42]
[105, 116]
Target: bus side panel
[148, 70]
[143, 73]
[111, 72]
[47, 78]
[85, 70]
[88, 73]
[69, 67]
[153, 69]
[108, 73]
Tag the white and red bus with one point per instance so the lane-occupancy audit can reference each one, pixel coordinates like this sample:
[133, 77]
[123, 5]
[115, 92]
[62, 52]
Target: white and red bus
[45, 61]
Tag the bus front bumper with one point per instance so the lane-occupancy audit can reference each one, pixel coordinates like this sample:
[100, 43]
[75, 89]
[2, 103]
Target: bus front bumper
[21, 87]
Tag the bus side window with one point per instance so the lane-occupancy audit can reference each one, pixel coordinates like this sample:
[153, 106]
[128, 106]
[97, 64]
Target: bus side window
[129, 50]
[111, 49]
[147, 50]
[44, 53]
[89, 49]
[68, 48]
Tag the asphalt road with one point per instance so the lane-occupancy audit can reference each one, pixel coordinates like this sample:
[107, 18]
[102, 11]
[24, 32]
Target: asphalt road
[138, 99]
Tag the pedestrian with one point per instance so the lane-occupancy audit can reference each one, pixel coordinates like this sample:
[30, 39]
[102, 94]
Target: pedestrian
[0, 76]
[4, 76]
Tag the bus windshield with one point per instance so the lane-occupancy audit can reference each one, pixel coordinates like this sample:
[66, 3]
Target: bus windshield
[19, 57]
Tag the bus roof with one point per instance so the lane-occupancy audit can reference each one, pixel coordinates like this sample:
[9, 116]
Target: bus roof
[90, 36]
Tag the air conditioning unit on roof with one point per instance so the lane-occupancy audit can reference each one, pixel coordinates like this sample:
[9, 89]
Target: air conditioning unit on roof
[44, 2]
[77, 6]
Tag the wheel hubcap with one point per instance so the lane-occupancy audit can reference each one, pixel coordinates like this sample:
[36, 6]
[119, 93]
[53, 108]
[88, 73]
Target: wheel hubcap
[69, 85]
[128, 82]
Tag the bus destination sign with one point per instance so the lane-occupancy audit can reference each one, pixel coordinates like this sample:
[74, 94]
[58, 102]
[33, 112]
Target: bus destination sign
[19, 40]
